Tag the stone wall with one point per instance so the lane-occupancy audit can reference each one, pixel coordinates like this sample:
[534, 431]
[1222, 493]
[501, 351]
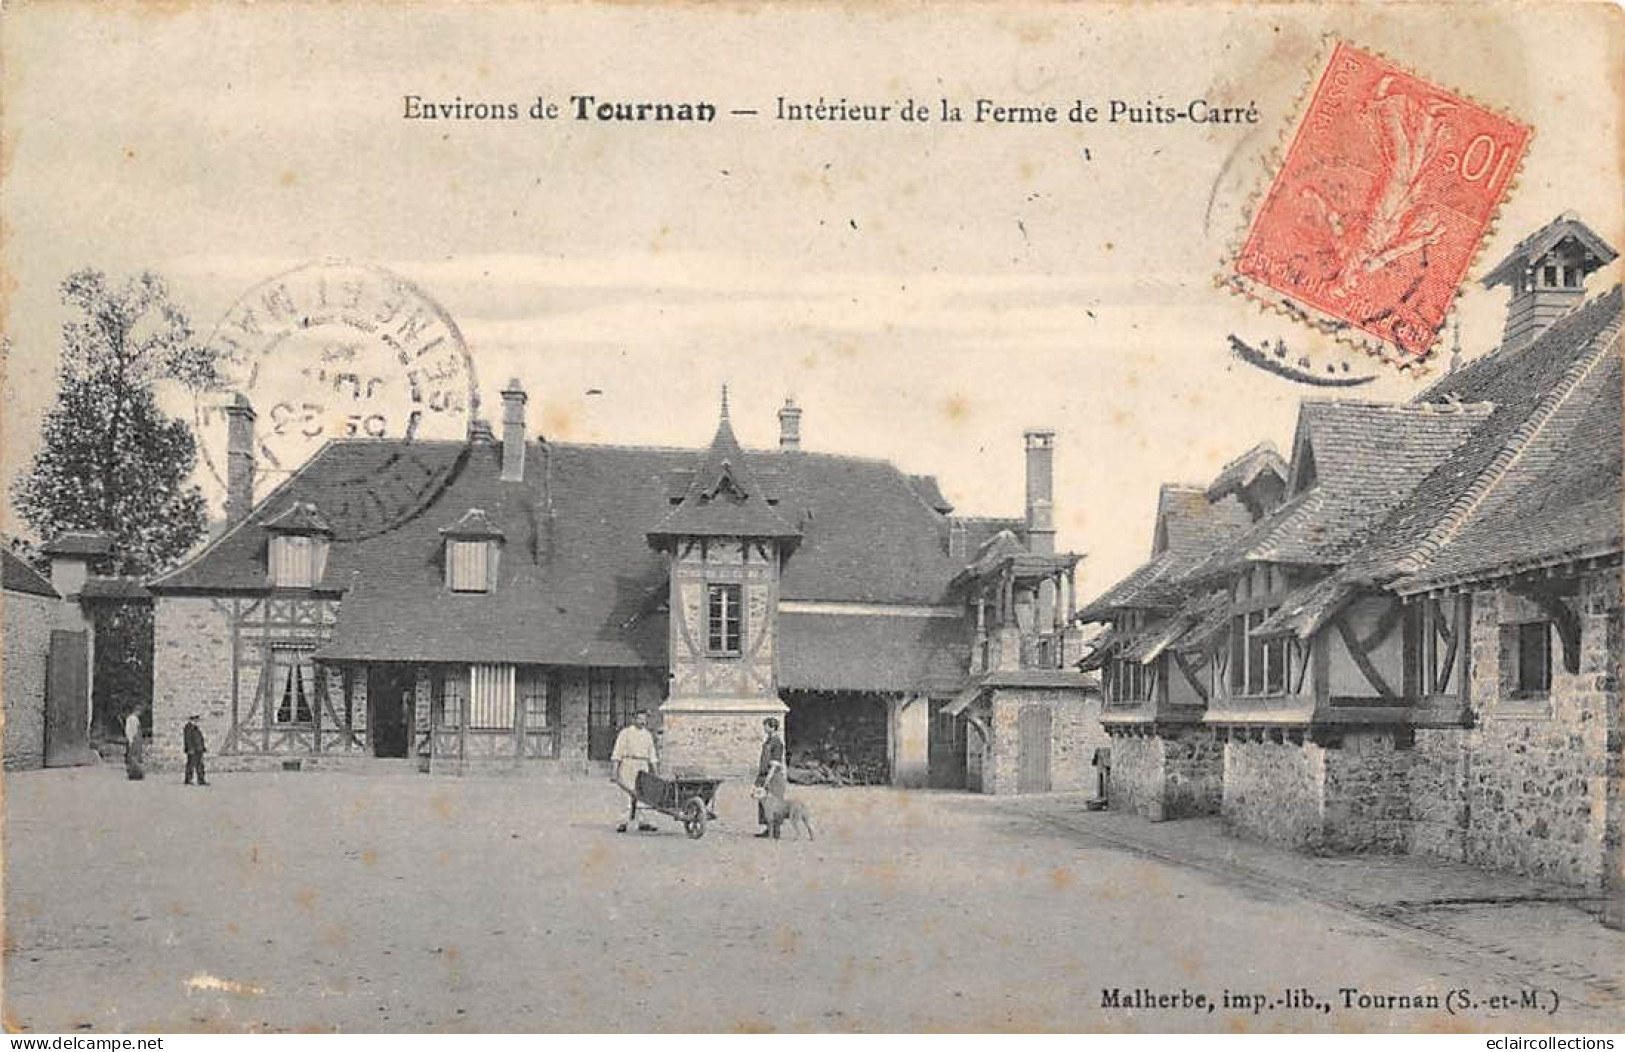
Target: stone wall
[1137, 780]
[26, 635]
[1272, 791]
[1178, 773]
[1528, 788]
[1351, 794]
[192, 673]
[1366, 800]
[1075, 734]
[713, 743]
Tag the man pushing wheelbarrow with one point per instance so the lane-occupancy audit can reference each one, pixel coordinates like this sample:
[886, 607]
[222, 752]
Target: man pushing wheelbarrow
[633, 754]
[689, 799]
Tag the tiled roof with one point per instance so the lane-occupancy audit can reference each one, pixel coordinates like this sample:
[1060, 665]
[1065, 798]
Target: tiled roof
[299, 517]
[126, 589]
[872, 652]
[931, 493]
[1188, 529]
[1242, 471]
[724, 498]
[80, 542]
[18, 576]
[1542, 241]
[1303, 611]
[1366, 458]
[1540, 481]
[577, 581]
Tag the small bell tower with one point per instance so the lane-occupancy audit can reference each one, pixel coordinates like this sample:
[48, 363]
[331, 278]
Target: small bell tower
[725, 543]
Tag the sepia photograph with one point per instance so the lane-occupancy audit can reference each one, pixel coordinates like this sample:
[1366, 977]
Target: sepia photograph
[774, 518]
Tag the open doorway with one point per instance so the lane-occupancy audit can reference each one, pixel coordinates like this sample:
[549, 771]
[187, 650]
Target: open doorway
[390, 696]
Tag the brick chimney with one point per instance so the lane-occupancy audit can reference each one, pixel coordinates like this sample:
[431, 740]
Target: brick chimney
[513, 432]
[1547, 273]
[1041, 491]
[790, 425]
[239, 458]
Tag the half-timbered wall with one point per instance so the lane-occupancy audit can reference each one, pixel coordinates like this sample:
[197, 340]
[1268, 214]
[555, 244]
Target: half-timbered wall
[697, 671]
[228, 659]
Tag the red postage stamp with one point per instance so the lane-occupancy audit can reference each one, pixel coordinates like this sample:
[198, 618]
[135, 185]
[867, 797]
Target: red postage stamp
[1388, 187]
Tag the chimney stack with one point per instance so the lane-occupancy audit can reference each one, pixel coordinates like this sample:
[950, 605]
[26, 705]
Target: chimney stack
[239, 458]
[1041, 491]
[513, 432]
[790, 425]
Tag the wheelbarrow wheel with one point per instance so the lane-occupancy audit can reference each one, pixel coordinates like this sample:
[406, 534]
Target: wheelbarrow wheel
[694, 817]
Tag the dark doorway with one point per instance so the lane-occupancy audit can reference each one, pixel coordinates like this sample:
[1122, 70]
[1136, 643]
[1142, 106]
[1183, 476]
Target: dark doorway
[391, 692]
[947, 748]
[612, 697]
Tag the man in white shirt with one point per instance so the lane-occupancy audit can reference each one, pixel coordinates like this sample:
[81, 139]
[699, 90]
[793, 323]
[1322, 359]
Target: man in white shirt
[634, 752]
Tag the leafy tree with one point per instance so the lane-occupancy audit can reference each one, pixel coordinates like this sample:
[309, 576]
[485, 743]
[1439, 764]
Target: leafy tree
[110, 458]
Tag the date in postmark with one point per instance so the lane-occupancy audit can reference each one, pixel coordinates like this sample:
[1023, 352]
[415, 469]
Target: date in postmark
[340, 350]
[1383, 197]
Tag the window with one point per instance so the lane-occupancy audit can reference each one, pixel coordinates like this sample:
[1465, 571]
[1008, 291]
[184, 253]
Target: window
[1571, 277]
[468, 566]
[1127, 682]
[293, 685]
[723, 619]
[491, 697]
[1257, 664]
[1533, 658]
[533, 694]
[1549, 276]
[450, 694]
[297, 560]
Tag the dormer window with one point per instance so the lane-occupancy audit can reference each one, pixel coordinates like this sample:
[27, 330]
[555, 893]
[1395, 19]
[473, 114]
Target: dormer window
[473, 546]
[300, 539]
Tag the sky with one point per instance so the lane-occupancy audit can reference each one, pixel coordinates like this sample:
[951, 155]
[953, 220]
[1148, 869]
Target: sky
[925, 291]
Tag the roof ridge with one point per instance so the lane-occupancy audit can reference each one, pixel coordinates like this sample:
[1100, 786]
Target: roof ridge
[1510, 453]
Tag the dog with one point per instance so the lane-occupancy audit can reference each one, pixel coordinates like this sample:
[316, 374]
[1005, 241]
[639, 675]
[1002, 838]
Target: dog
[781, 809]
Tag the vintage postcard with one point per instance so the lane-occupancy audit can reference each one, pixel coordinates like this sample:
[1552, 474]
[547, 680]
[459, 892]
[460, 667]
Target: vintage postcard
[799, 517]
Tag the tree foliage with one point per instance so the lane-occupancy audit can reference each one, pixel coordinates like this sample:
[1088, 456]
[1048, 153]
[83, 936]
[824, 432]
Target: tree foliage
[110, 458]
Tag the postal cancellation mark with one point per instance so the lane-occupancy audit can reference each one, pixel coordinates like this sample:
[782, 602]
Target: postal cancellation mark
[1385, 193]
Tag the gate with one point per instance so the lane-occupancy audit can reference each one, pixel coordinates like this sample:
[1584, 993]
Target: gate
[67, 700]
[1033, 755]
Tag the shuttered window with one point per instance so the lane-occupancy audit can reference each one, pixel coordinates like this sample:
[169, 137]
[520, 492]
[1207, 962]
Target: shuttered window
[298, 561]
[491, 697]
[468, 566]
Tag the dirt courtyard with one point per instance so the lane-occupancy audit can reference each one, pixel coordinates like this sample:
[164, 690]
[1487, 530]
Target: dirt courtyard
[397, 902]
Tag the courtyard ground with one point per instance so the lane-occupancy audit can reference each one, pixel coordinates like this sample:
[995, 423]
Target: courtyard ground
[405, 902]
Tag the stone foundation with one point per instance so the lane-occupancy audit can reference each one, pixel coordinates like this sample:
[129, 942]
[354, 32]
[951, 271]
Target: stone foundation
[715, 739]
[1350, 795]
[1178, 773]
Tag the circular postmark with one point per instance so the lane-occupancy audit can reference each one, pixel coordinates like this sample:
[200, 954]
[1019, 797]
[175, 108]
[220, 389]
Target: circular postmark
[339, 350]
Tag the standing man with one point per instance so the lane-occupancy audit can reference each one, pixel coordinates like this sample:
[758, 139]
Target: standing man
[192, 737]
[772, 752]
[634, 752]
[132, 746]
